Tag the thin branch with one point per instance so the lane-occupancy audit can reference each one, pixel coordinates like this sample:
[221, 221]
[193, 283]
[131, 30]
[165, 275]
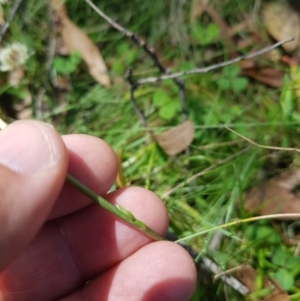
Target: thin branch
[148, 50]
[203, 172]
[11, 15]
[149, 80]
[132, 87]
[231, 281]
[260, 145]
[207, 264]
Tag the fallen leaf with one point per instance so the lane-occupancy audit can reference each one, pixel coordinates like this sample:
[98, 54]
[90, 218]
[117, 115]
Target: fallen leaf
[247, 275]
[177, 139]
[276, 195]
[282, 22]
[75, 39]
[266, 75]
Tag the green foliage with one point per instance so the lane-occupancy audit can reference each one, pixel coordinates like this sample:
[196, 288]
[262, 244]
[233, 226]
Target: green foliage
[67, 65]
[231, 80]
[205, 35]
[168, 108]
[126, 55]
[272, 255]
[285, 279]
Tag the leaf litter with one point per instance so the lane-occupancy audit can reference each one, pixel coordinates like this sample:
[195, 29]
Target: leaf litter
[74, 39]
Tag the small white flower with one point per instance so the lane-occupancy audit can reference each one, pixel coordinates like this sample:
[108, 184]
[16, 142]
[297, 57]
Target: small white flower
[13, 56]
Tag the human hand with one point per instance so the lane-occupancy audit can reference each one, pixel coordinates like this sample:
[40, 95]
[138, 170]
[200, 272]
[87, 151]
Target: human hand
[56, 245]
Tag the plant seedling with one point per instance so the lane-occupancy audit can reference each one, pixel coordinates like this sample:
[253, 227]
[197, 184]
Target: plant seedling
[168, 108]
[67, 65]
[231, 80]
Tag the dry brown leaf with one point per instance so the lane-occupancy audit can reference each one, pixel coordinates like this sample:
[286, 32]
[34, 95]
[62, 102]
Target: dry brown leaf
[275, 196]
[247, 276]
[177, 139]
[267, 75]
[282, 22]
[76, 40]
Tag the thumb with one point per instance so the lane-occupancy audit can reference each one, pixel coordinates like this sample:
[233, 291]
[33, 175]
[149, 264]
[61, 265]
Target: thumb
[33, 166]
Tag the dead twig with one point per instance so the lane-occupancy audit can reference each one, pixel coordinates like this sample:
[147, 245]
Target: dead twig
[132, 87]
[150, 80]
[263, 146]
[148, 50]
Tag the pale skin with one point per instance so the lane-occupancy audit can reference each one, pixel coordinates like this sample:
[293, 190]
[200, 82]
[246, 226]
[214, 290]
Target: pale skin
[53, 240]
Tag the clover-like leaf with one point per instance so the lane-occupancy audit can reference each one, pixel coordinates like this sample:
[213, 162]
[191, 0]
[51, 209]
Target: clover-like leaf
[160, 97]
[239, 84]
[167, 111]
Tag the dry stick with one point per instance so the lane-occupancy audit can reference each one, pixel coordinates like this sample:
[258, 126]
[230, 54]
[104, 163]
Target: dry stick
[231, 281]
[11, 15]
[207, 264]
[149, 51]
[132, 87]
[149, 80]
[263, 146]
[203, 172]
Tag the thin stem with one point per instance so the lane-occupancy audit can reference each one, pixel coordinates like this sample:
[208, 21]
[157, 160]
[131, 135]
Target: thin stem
[242, 221]
[132, 87]
[119, 211]
[261, 145]
[174, 75]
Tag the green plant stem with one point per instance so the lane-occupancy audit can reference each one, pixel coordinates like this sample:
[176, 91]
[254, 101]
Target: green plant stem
[117, 210]
[241, 221]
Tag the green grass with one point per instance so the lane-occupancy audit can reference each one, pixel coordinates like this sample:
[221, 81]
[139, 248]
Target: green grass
[265, 115]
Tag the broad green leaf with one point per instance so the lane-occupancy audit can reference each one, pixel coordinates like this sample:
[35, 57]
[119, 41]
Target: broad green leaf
[167, 111]
[224, 83]
[239, 84]
[160, 97]
[292, 262]
[205, 35]
[285, 279]
[279, 256]
[231, 71]
[67, 65]
[263, 232]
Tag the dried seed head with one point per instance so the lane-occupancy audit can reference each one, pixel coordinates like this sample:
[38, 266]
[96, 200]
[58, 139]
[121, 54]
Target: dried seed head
[13, 56]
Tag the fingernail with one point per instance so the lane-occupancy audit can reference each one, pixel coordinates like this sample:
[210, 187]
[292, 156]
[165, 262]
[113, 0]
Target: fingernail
[28, 147]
